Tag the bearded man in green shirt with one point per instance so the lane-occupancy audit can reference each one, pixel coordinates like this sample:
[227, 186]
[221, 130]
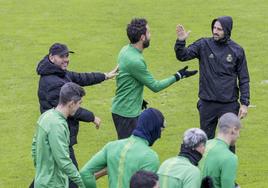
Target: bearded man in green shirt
[133, 76]
[125, 157]
[50, 147]
[218, 161]
[182, 171]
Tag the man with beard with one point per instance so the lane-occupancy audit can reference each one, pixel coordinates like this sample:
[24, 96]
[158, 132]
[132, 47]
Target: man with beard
[223, 73]
[218, 161]
[133, 76]
[182, 171]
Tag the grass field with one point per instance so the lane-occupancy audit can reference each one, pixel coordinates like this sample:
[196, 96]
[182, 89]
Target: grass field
[95, 30]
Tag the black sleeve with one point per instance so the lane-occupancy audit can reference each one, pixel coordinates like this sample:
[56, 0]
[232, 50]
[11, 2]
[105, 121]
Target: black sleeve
[243, 79]
[84, 115]
[53, 94]
[86, 79]
[185, 54]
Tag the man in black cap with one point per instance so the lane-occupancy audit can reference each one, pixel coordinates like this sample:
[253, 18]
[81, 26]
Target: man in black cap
[223, 73]
[53, 75]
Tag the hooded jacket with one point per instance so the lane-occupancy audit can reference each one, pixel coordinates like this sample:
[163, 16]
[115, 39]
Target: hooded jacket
[125, 157]
[149, 125]
[52, 78]
[222, 65]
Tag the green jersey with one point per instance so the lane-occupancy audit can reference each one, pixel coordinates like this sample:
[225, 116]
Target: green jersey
[179, 172]
[122, 158]
[50, 151]
[219, 163]
[133, 75]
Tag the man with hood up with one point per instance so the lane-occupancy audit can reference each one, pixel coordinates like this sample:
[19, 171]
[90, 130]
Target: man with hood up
[53, 73]
[223, 73]
[125, 157]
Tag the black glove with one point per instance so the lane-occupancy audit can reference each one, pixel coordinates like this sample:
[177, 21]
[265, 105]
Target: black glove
[207, 182]
[144, 104]
[184, 73]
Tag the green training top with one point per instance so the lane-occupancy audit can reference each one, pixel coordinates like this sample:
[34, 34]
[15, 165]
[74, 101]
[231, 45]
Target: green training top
[133, 75]
[179, 172]
[219, 163]
[50, 151]
[122, 158]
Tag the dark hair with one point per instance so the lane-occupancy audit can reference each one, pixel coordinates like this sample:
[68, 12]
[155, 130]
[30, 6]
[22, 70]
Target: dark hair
[143, 179]
[135, 29]
[71, 92]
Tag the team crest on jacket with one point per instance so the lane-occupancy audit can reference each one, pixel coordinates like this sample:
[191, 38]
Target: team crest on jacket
[229, 58]
[211, 56]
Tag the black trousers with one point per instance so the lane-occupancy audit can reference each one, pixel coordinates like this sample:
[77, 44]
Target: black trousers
[72, 156]
[210, 112]
[124, 125]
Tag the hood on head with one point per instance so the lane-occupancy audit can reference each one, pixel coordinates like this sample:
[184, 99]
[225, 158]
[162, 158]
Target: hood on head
[227, 25]
[46, 67]
[149, 125]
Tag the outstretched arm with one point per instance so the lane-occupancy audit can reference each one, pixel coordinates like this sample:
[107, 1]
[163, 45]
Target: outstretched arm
[183, 53]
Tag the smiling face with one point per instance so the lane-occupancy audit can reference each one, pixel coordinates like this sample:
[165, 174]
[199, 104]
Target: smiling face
[61, 61]
[218, 32]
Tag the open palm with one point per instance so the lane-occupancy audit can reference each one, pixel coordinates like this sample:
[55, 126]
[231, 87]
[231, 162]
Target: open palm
[181, 33]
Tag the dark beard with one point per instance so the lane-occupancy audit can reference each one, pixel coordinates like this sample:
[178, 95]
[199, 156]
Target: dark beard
[146, 43]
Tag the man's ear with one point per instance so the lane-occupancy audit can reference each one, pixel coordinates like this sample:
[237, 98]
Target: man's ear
[143, 37]
[51, 58]
[70, 104]
[233, 130]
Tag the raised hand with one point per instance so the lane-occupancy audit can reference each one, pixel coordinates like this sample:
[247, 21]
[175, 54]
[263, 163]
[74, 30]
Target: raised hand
[181, 33]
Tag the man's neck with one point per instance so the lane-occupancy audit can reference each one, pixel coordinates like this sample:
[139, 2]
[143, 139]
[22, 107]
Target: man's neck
[138, 45]
[63, 110]
[225, 138]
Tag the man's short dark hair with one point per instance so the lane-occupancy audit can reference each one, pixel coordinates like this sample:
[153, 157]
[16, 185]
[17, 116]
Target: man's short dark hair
[135, 29]
[71, 92]
[143, 179]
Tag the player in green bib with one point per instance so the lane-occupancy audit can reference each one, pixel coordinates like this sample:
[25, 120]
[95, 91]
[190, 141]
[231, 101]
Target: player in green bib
[182, 171]
[218, 161]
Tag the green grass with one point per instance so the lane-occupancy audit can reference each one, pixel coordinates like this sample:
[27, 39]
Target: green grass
[95, 30]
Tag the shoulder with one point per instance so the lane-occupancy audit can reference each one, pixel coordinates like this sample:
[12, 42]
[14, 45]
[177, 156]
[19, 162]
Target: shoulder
[231, 158]
[51, 81]
[168, 163]
[201, 42]
[195, 171]
[50, 120]
[129, 56]
[236, 47]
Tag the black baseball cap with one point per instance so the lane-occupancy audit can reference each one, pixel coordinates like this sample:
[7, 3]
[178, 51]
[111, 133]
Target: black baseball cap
[59, 49]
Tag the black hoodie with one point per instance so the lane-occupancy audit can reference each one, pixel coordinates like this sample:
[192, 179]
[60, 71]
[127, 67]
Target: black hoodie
[222, 65]
[227, 25]
[52, 78]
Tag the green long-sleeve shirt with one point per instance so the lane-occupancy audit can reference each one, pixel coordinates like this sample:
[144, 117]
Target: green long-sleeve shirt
[122, 158]
[219, 163]
[133, 76]
[179, 172]
[50, 151]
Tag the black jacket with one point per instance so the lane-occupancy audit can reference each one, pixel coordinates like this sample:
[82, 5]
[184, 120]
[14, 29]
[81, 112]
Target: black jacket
[52, 78]
[222, 65]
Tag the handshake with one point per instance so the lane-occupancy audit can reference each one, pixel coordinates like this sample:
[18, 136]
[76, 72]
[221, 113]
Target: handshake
[184, 73]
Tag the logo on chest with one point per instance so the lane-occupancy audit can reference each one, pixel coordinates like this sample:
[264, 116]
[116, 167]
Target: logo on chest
[229, 58]
[211, 56]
